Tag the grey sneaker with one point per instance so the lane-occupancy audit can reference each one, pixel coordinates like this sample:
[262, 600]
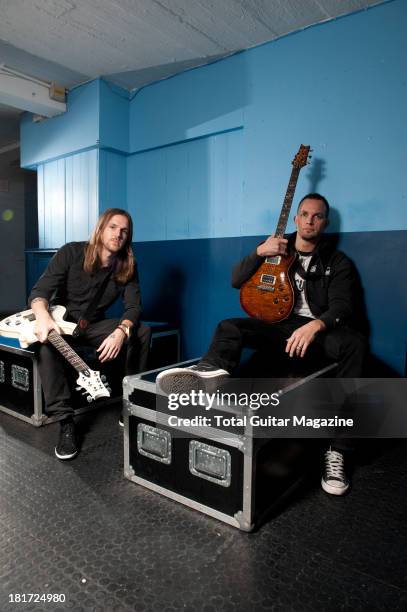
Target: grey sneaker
[203, 376]
[334, 480]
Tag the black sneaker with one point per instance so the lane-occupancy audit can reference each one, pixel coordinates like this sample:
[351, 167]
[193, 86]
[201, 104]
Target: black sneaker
[334, 480]
[196, 377]
[121, 422]
[67, 446]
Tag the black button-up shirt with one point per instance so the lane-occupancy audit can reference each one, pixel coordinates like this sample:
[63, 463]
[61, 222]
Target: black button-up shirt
[65, 282]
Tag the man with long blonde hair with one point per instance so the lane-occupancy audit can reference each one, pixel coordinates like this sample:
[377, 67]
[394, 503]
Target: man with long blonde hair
[72, 278]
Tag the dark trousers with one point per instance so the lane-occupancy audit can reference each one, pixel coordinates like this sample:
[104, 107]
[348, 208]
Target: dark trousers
[53, 367]
[342, 344]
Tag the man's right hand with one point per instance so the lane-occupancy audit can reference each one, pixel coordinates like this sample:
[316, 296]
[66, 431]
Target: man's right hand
[43, 325]
[43, 320]
[272, 246]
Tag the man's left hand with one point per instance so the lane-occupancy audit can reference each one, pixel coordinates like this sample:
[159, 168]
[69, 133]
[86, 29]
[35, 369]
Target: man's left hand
[302, 337]
[110, 347]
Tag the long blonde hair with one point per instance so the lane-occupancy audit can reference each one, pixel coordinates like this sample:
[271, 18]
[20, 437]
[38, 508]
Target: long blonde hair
[124, 264]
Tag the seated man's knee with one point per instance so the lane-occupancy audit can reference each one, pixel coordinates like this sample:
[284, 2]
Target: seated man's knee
[356, 343]
[228, 325]
[144, 333]
[46, 353]
[140, 334]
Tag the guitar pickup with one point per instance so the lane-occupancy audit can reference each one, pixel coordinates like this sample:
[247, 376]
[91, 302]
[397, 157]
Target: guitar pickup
[268, 279]
[276, 260]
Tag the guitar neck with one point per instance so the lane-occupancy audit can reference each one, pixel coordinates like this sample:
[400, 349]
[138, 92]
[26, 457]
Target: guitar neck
[288, 200]
[67, 351]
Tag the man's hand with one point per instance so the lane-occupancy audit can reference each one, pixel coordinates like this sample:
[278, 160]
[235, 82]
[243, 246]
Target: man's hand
[43, 320]
[302, 337]
[272, 246]
[43, 325]
[110, 347]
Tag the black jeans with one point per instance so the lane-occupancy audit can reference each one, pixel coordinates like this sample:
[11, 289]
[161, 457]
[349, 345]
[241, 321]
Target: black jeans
[342, 344]
[53, 367]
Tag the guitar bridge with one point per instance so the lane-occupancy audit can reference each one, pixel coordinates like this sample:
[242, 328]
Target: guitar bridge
[265, 288]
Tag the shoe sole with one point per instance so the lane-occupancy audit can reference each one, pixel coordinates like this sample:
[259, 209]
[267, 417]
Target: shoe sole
[332, 490]
[64, 457]
[182, 380]
[178, 380]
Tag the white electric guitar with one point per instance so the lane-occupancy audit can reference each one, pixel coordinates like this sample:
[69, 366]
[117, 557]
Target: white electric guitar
[21, 326]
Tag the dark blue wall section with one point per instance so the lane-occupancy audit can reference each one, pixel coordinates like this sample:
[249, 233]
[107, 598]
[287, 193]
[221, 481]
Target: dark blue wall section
[188, 282]
[380, 259]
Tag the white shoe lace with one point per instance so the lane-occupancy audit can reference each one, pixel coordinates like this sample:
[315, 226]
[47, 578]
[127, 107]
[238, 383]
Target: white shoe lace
[334, 465]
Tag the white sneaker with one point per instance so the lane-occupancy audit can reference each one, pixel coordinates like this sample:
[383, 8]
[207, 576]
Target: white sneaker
[193, 378]
[334, 480]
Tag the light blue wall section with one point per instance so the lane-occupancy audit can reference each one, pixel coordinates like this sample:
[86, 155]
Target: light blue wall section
[81, 165]
[51, 203]
[112, 180]
[75, 130]
[82, 194]
[339, 87]
[199, 102]
[185, 191]
[114, 117]
[67, 199]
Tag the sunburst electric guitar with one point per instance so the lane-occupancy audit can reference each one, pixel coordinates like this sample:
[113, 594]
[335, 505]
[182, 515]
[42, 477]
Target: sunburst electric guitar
[21, 326]
[269, 294]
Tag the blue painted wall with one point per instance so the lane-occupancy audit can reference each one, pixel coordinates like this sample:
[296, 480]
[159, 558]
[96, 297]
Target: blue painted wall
[68, 200]
[192, 189]
[340, 87]
[187, 282]
[76, 130]
[114, 117]
[81, 161]
[206, 157]
[195, 103]
[112, 180]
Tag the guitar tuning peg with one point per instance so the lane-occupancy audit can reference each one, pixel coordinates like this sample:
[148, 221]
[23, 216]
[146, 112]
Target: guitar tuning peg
[103, 378]
[89, 399]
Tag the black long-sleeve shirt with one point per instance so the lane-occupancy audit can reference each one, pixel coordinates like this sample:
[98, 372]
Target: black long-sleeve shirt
[65, 282]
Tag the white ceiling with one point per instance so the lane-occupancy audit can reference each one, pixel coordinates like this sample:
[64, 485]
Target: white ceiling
[136, 42]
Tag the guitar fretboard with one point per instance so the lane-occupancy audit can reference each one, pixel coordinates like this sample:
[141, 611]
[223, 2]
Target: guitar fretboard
[288, 200]
[67, 351]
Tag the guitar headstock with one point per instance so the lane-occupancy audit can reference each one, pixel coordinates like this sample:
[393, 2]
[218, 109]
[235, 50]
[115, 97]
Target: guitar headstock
[301, 159]
[90, 381]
